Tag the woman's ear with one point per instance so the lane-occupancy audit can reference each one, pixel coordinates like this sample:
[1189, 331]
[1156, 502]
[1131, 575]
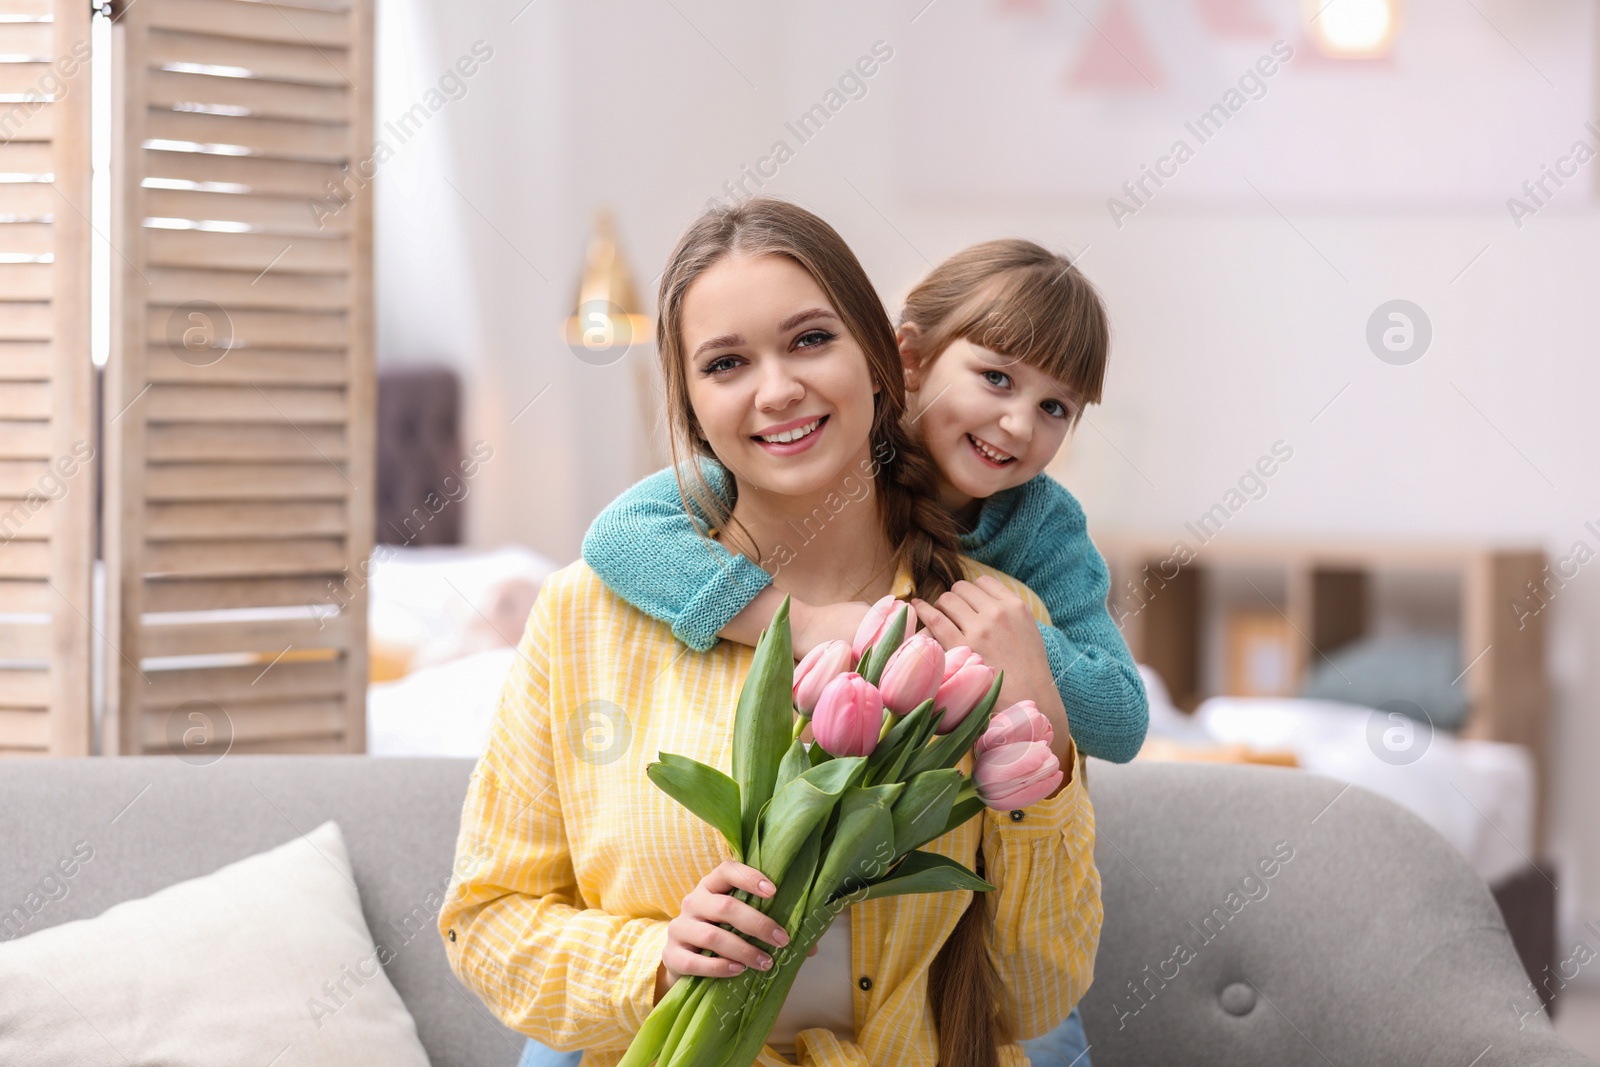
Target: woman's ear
[909, 337]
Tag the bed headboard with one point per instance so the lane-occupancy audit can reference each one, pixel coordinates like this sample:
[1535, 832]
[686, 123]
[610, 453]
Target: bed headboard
[419, 446]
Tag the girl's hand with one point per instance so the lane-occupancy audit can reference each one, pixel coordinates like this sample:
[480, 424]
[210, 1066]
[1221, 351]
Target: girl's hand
[997, 624]
[812, 626]
[695, 927]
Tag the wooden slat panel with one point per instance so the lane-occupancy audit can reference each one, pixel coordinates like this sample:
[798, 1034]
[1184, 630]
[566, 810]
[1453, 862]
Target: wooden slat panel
[304, 725]
[231, 559]
[26, 8]
[18, 477]
[251, 328]
[279, 138]
[263, 59]
[241, 519]
[29, 122]
[31, 519]
[263, 214]
[250, 366]
[242, 459]
[23, 281]
[25, 157]
[214, 443]
[21, 360]
[245, 481]
[250, 96]
[241, 174]
[26, 238]
[252, 21]
[23, 727]
[242, 289]
[255, 635]
[30, 201]
[215, 594]
[248, 251]
[25, 688]
[26, 519]
[24, 640]
[25, 559]
[25, 438]
[23, 400]
[26, 597]
[31, 39]
[26, 322]
[231, 403]
[226, 686]
[21, 78]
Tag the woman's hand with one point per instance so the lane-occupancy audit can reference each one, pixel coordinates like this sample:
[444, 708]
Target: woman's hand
[696, 928]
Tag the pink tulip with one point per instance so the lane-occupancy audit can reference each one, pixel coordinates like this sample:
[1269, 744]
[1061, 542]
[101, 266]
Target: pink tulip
[966, 682]
[877, 618]
[819, 667]
[848, 717]
[912, 674]
[1017, 774]
[1022, 721]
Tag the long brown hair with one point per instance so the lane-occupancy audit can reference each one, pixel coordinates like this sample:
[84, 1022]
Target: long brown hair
[1021, 300]
[963, 986]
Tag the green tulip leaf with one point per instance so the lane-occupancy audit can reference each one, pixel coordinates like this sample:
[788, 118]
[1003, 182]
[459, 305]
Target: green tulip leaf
[923, 809]
[706, 791]
[763, 723]
[924, 872]
[878, 658]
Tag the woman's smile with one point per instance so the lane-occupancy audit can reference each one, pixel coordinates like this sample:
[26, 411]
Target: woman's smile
[792, 437]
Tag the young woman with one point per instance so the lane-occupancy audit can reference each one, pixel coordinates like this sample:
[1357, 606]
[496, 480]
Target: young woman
[582, 892]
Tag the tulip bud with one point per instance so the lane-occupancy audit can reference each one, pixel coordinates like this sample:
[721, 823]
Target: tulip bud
[912, 674]
[966, 682]
[848, 716]
[1017, 774]
[1022, 721]
[877, 617]
[819, 667]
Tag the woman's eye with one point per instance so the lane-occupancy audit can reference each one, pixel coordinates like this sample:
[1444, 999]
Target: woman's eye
[721, 363]
[813, 338]
[997, 378]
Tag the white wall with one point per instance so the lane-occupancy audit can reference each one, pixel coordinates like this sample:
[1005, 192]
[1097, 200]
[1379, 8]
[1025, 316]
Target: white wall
[1231, 329]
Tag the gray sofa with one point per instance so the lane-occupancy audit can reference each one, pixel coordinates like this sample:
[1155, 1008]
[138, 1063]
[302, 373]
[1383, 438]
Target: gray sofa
[1353, 934]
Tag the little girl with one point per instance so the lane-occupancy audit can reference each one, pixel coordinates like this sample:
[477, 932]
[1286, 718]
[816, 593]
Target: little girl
[1004, 343]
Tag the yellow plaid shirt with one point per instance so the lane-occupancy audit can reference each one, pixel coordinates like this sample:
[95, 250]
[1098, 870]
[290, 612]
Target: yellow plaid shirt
[571, 862]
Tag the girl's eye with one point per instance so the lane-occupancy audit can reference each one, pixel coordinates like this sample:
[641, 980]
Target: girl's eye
[720, 364]
[997, 378]
[1056, 408]
[813, 338]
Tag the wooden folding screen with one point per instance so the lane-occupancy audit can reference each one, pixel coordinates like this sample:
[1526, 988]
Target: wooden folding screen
[47, 449]
[240, 475]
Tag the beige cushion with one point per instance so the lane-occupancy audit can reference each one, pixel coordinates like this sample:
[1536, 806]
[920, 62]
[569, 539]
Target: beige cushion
[265, 961]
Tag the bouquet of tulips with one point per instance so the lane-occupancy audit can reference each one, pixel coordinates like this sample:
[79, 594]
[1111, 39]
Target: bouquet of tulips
[841, 821]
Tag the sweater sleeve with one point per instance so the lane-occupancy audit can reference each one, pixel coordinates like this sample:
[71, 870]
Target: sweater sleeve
[1039, 535]
[645, 547]
[515, 928]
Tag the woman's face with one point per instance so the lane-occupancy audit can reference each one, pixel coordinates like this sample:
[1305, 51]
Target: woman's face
[990, 422]
[781, 390]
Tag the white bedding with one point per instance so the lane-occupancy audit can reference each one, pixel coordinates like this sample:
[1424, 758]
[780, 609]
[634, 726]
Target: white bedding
[1478, 794]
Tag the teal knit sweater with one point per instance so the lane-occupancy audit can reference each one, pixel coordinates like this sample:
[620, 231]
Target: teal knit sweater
[645, 548]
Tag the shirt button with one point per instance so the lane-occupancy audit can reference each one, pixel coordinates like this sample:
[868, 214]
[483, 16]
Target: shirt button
[865, 983]
[452, 935]
[1016, 815]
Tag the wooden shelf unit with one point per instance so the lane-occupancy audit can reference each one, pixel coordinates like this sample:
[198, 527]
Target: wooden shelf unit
[1159, 590]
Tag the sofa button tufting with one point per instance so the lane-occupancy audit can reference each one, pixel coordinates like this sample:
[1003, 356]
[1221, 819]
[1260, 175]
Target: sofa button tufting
[1239, 999]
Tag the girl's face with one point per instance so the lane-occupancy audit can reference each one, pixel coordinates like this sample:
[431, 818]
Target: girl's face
[989, 421]
[781, 390]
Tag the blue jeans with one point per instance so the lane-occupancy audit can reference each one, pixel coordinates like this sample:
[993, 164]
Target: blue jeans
[1065, 1046]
